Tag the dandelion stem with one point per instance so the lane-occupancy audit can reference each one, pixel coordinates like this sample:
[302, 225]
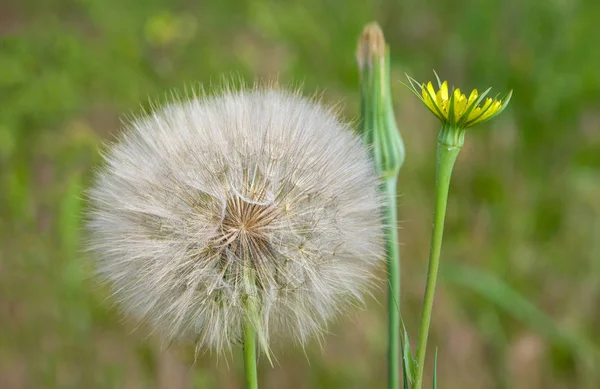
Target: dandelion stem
[249, 339]
[446, 156]
[393, 265]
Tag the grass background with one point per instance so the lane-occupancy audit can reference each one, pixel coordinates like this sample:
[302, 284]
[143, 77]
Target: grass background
[519, 301]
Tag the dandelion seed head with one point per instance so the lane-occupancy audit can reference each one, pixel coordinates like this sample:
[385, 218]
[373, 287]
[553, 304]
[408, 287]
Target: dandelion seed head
[252, 195]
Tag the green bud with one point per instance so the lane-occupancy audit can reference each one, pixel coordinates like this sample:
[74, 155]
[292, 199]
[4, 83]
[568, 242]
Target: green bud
[378, 123]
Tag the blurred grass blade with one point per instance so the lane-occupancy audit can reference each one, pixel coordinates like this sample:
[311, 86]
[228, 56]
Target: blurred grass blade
[408, 361]
[512, 302]
[405, 370]
[435, 369]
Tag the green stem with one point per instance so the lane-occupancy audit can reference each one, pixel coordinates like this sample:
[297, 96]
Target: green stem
[446, 156]
[393, 257]
[249, 339]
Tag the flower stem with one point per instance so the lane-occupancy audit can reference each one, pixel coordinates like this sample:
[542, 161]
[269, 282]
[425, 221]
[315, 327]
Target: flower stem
[249, 340]
[393, 266]
[381, 134]
[446, 156]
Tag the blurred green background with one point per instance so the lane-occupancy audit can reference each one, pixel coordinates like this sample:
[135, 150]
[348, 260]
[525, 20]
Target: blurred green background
[519, 301]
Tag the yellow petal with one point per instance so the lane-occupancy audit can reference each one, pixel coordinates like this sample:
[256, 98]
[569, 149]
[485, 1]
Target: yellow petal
[428, 102]
[473, 97]
[438, 99]
[427, 98]
[483, 108]
[487, 103]
[444, 90]
[430, 89]
[474, 113]
[495, 106]
[460, 105]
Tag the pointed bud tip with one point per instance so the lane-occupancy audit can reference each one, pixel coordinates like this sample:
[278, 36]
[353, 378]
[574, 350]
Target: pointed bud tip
[370, 44]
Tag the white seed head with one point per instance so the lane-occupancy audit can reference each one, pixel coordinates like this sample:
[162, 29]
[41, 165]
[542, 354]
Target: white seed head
[255, 196]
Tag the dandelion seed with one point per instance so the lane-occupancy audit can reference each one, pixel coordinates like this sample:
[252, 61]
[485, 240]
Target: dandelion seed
[253, 197]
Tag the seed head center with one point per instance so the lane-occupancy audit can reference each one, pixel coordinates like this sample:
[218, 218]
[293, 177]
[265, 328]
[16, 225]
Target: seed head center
[246, 224]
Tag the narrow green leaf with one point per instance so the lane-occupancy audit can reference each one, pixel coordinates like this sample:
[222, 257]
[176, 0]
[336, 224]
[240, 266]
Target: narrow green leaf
[260, 334]
[407, 379]
[405, 374]
[435, 369]
[408, 361]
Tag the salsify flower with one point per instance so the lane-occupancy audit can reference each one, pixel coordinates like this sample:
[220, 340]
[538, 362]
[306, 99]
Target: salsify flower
[457, 112]
[252, 206]
[454, 108]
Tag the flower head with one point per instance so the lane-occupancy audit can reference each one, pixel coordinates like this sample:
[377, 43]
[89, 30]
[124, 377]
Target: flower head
[378, 123]
[454, 108]
[254, 205]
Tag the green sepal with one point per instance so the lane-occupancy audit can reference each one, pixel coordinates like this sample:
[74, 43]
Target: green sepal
[378, 123]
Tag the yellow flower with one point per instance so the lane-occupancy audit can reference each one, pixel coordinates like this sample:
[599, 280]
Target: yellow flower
[454, 108]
